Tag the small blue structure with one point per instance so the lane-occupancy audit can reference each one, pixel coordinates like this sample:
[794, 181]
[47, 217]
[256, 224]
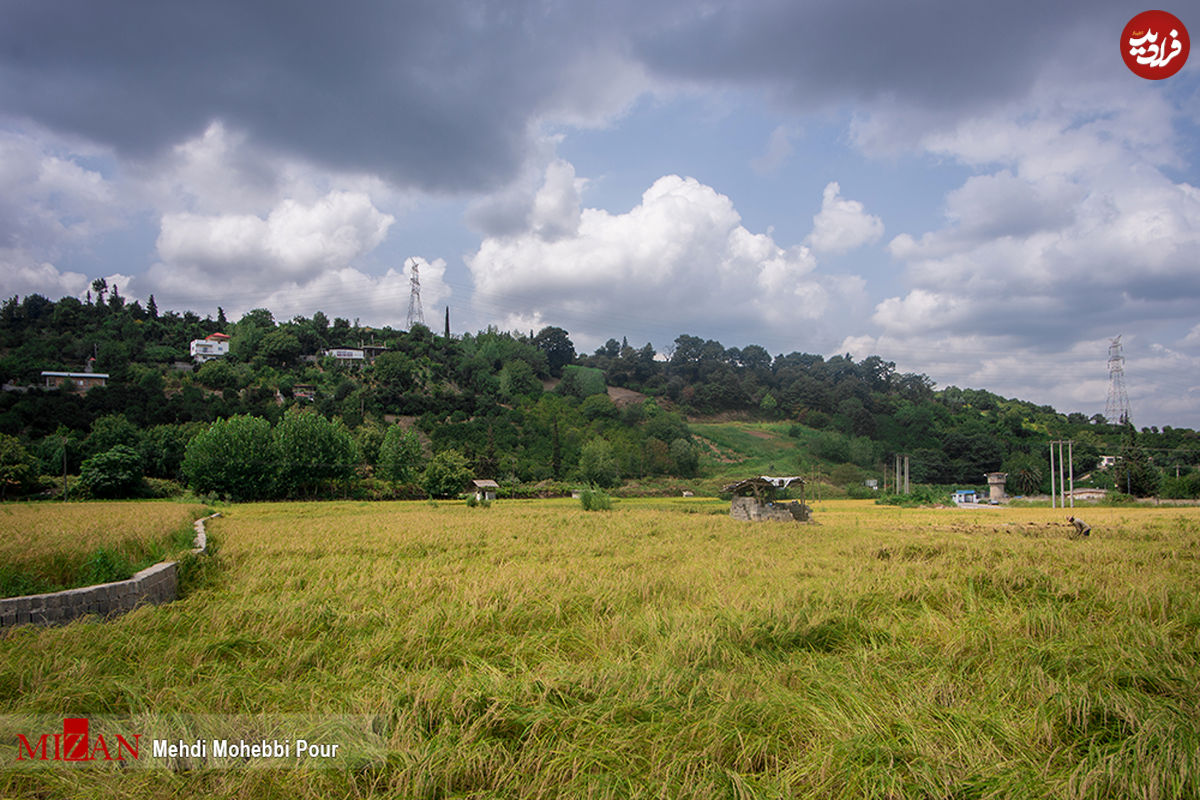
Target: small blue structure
[965, 496]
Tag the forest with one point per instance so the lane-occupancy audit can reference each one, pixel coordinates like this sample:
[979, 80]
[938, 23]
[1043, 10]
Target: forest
[276, 417]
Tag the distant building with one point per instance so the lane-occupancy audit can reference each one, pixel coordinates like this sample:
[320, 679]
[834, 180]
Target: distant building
[961, 496]
[347, 355]
[372, 351]
[1107, 461]
[304, 391]
[78, 381]
[996, 481]
[485, 490]
[215, 345]
[754, 500]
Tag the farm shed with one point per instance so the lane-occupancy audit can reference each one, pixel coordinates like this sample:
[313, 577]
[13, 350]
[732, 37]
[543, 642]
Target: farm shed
[754, 500]
[485, 490]
[961, 496]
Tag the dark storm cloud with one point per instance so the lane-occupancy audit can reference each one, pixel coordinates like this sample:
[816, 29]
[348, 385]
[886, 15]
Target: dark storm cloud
[435, 94]
[445, 95]
[939, 56]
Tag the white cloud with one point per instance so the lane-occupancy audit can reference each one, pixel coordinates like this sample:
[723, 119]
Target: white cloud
[680, 260]
[294, 241]
[555, 211]
[842, 224]
[375, 299]
[45, 279]
[50, 206]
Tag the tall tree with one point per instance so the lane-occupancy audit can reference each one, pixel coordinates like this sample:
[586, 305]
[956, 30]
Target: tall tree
[558, 347]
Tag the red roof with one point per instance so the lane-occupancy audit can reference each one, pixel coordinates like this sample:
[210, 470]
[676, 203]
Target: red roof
[216, 336]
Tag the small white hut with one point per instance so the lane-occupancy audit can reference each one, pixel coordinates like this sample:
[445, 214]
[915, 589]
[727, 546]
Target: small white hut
[485, 490]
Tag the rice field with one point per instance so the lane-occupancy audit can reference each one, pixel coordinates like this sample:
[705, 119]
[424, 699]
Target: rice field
[663, 650]
[45, 547]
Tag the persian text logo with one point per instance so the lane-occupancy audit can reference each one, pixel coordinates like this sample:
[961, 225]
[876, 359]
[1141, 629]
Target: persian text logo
[1155, 45]
[74, 744]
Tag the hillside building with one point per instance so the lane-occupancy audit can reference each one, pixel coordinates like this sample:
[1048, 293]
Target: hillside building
[215, 345]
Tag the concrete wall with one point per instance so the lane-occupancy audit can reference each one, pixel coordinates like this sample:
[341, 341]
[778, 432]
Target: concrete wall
[155, 584]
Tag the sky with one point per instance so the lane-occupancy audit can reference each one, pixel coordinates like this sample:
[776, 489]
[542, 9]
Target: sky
[982, 192]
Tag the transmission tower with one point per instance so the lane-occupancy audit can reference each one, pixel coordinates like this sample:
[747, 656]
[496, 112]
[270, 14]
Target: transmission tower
[1117, 408]
[415, 312]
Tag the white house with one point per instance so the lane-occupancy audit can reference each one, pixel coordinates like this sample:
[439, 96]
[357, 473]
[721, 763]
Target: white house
[961, 496]
[346, 354]
[215, 345]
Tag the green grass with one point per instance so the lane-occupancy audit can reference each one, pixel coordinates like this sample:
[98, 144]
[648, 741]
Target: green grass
[537, 650]
[46, 547]
[734, 450]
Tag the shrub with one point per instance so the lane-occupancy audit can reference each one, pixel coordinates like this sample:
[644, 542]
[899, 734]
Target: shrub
[919, 496]
[593, 499]
[1117, 499]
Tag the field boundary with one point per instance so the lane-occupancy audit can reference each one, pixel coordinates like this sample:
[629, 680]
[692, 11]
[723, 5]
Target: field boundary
[156, 584]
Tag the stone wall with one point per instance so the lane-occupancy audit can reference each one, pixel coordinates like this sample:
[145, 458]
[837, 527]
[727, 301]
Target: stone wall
[155, 584]
[751, 510]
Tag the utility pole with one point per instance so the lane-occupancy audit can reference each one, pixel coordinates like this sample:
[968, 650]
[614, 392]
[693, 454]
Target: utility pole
[1068, 468]
[1052, 492]
[1071, 468]
[900, 478]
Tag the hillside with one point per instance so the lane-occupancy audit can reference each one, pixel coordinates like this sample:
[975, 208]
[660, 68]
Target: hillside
[521, 409]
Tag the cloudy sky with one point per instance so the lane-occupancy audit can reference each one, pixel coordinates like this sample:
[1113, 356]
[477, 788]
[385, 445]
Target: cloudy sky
[979, 191]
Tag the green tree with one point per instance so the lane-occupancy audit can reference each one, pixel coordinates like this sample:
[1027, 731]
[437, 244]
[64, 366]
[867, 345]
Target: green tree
[580, 381]
[558, 347]
[597, 465]
[163, 447]
[109, 431]
[16, 465]
[1026, 473]
[1134, 474]
[517, 379]
[446, 475]
[117, 472]
[313, 452]
[279, 347]
[598, 407]
[400, 455]
[235, 457]
[686, 457]
[768, 405]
